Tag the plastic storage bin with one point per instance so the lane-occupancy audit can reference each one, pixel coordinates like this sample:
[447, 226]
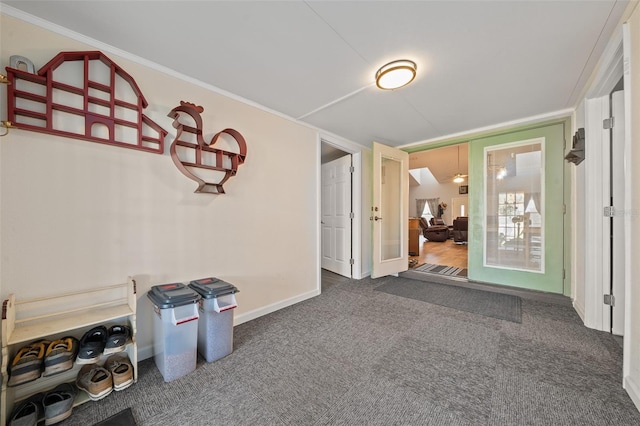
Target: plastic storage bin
[215, 327]
[175, 329]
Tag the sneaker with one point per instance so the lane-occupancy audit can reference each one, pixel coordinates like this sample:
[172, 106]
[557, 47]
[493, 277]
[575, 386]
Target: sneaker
[60, 355]
[121, 371]
[58, 403]
[28, 411]
[117, 339]
[96, 381]
[27, 364]
[92, 345]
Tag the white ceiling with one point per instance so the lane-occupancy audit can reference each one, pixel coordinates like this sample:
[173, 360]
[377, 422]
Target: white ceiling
[443, 163]
[480, 63]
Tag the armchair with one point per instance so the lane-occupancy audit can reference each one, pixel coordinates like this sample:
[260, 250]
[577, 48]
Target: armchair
[460, 230]
[437, 233]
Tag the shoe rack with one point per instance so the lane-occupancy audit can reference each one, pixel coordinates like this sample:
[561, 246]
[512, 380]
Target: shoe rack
[54, 317]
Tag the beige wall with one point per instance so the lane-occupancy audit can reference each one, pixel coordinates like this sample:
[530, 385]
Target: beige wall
[632, 320]
[78, 214]
[430, 188]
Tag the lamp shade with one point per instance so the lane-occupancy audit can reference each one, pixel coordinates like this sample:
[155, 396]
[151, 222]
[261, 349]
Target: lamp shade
[396, 74]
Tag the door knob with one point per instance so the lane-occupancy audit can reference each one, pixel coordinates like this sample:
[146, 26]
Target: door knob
[376, 218]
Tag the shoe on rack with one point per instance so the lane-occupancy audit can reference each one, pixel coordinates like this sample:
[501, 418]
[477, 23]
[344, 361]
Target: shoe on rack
[60, 355]
[121, 370]
[96, 381]
[27, 364]
[28, 411]
[58, 403]
[116, 339]
[92, 345]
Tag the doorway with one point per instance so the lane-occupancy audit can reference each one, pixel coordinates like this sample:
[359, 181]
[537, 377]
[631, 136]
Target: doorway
[330, 150]
[438, 193]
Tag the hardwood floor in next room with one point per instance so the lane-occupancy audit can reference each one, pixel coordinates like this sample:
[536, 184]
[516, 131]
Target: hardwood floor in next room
[442, 253]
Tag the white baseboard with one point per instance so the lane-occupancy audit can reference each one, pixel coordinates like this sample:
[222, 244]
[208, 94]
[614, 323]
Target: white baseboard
[147, 351]
[580, 310]
[256, 313]
[633, 389]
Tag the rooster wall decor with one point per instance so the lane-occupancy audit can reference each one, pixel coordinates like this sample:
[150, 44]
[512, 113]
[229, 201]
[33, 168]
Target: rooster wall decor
[191, 154]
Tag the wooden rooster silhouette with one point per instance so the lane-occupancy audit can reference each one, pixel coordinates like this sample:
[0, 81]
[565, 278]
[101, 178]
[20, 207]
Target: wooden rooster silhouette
[191, 154]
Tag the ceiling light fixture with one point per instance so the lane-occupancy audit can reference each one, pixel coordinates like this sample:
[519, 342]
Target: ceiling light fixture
[396, 74]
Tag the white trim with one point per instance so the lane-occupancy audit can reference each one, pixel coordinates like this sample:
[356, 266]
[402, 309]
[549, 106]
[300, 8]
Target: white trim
[628, 224]
[318, 215]
[356, 205]
[563, 113]
[543, 195]
[265, 310]
[356, 197]
[596, 147]
[579, 309]
[633, 389]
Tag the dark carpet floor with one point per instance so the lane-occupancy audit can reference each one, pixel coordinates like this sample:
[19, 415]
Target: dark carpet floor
[486, 303]
[355, 356]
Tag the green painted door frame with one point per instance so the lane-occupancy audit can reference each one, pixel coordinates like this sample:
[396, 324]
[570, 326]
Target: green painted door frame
[552, 280]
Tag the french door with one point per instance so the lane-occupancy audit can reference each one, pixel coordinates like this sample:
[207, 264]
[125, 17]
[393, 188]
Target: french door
[517, 209]
[390, 211]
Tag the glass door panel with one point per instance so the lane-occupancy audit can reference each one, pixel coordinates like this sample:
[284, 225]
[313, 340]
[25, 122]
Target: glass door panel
[514, 200]
[391, 226]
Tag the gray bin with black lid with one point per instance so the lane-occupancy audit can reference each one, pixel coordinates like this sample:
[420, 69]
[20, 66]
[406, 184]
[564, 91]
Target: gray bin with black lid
[215, 327]
[175, 329]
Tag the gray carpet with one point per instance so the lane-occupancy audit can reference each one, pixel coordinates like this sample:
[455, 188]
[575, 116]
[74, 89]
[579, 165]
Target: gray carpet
[356, 356]
[450, 271]
[495, 305]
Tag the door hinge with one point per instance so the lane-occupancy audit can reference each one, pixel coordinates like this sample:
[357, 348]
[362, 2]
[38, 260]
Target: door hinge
[351, 215]
[610, 300]
[564, 274]
[609, 211]
[352, 169]
[564, 209]
[608, 123]
[351, 261]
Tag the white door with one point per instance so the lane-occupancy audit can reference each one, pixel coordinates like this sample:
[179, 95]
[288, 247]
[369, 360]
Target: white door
[390, 211]
[336, 216]
[618, 230]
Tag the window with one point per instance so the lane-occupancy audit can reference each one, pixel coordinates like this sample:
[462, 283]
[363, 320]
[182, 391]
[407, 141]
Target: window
[426, 212]
[514, 196]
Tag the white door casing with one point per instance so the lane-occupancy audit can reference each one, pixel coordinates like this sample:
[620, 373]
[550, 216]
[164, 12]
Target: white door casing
[336, 216]
[390, 211]
[618, 195]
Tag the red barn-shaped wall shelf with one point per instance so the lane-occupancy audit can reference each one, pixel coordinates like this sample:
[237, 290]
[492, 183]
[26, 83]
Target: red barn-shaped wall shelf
[83, 95]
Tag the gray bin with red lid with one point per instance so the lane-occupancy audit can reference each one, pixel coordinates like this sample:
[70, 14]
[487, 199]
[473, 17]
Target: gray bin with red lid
[215, 326]
[175, 329]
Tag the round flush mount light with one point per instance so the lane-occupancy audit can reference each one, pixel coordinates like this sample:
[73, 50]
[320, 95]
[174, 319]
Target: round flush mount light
[396, 74]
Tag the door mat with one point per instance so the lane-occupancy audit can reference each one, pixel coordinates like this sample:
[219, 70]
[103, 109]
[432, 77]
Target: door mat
[450, 271]
[123, 418]
[496, 305]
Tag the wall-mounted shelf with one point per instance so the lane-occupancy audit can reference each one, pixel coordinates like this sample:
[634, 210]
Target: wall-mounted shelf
[83, 95]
